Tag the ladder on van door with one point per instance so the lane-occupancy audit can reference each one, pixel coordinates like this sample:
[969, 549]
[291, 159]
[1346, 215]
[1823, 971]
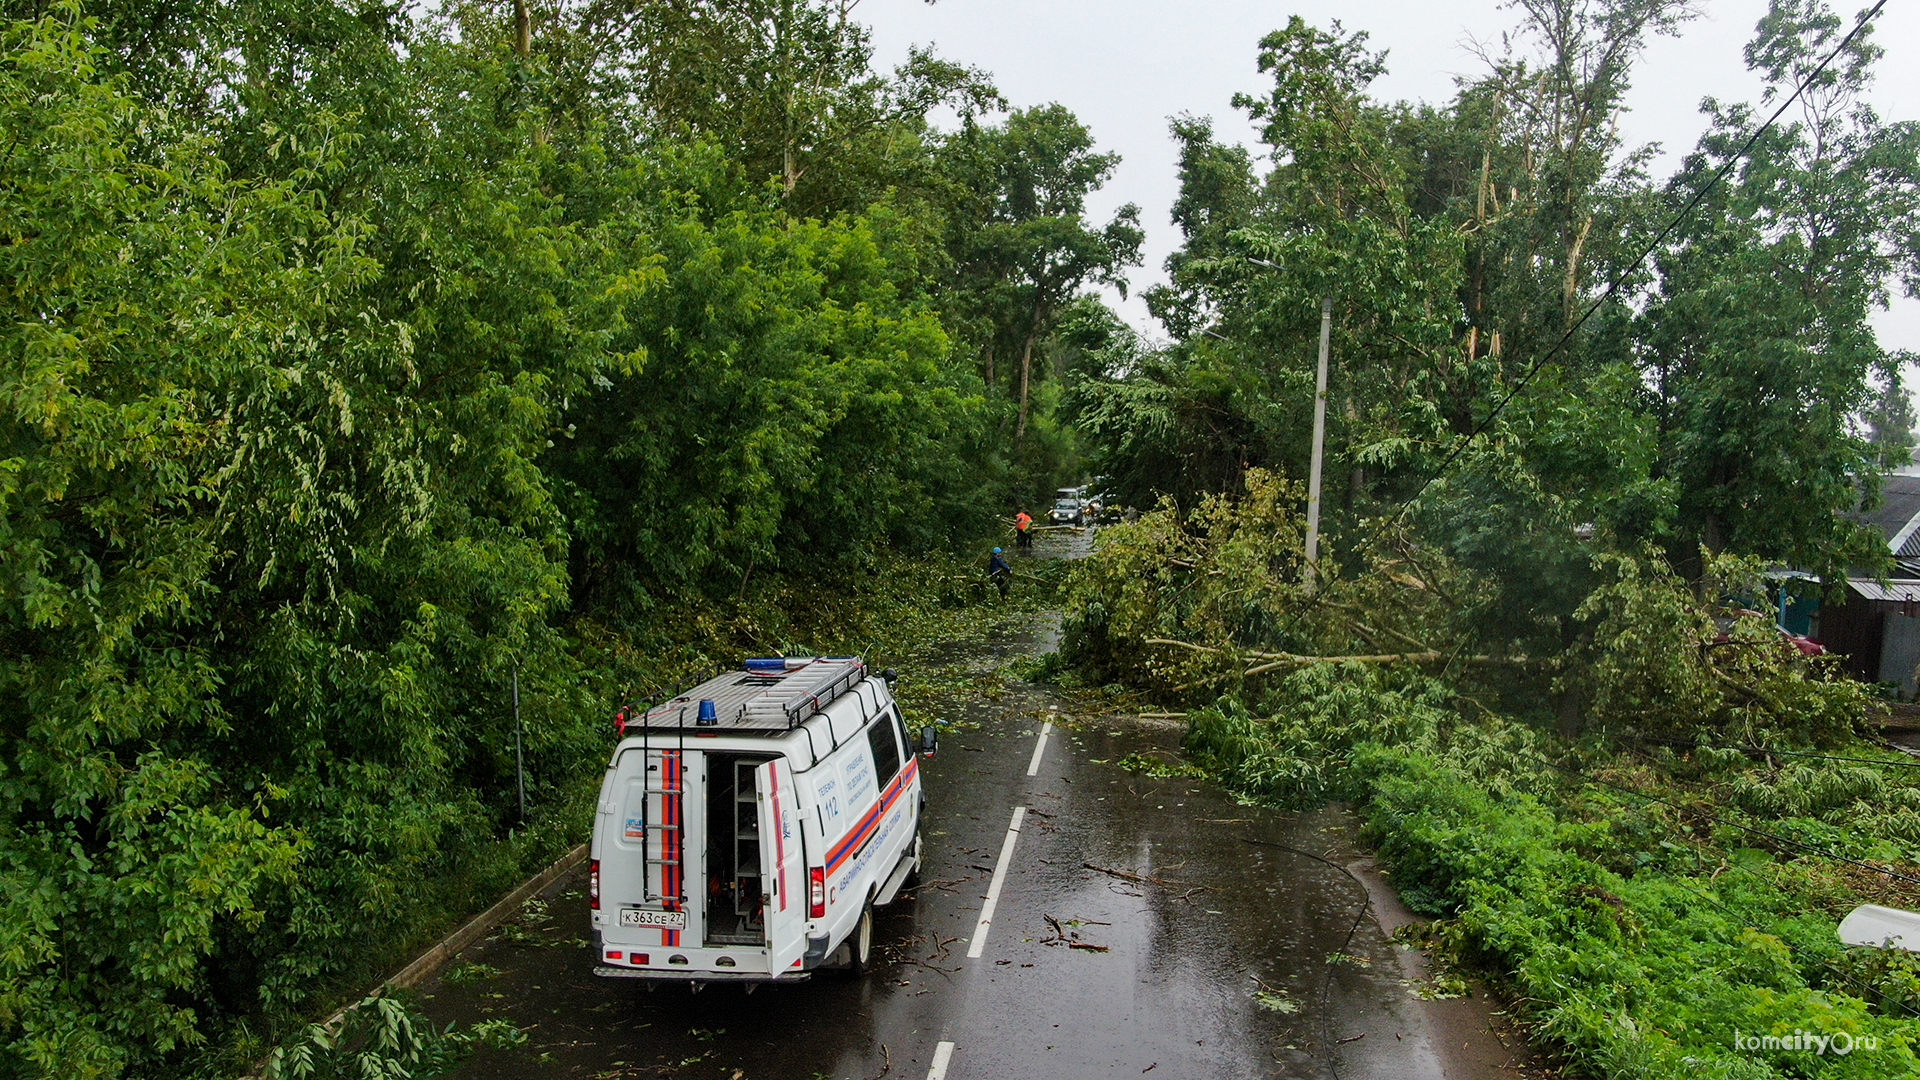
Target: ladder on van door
[665, 824]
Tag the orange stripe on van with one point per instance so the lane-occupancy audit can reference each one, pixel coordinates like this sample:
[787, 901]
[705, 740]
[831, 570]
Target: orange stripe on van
[870, 821]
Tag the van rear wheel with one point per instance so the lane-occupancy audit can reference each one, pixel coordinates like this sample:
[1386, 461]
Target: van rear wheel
[860, 945]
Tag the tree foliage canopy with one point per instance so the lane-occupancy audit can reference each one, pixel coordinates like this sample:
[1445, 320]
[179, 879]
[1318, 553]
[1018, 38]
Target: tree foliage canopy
[363, 363]
[1720, 394]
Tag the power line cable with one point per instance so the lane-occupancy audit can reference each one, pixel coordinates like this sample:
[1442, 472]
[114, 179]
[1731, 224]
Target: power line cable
[1326, 984]
[1613, 287]
[1620, 279]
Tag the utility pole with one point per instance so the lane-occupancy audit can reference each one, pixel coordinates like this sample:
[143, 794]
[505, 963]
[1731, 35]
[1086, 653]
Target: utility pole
[1319, 433]
[519, 758]
[1319, 443]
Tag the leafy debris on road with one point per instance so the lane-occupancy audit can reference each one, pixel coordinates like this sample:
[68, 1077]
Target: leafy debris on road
[1272, 998]
[466, 974]
[1276, 1001]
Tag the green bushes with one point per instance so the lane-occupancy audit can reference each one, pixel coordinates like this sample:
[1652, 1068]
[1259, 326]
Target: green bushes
[1658, 972]
[1301, 756]
[1643, 938]
[1644, 941]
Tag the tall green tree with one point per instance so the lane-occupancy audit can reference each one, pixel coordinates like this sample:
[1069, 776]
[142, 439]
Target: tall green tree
[788, 401]
[140, 283]
[276, 531]
[1757, 342]
[1334, 216]
[1019, 239]
[786, 87]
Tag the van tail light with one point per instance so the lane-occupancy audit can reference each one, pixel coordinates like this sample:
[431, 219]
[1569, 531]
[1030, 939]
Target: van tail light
[593, 883]
[816, 892]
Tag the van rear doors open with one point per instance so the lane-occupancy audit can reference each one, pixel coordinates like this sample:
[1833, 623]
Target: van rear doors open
[785, 891]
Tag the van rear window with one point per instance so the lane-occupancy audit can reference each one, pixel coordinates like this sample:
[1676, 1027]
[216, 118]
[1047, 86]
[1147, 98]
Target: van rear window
[886, 752]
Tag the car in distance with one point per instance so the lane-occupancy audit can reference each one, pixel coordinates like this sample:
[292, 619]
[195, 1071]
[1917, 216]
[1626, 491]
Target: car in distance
[1068, 510]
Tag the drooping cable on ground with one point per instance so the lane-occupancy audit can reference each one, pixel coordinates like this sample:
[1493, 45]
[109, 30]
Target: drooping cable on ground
[1326, 984]
[1867, 991]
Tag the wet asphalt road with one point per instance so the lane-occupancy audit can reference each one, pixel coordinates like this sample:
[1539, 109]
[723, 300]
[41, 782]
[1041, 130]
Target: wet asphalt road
[1201, 939]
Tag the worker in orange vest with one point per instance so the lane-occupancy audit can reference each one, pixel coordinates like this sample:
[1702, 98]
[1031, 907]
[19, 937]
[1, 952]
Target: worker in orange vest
[1022, 530]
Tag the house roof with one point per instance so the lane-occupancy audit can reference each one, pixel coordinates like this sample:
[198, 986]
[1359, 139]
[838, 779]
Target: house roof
[1898, 591]
[1898, 515]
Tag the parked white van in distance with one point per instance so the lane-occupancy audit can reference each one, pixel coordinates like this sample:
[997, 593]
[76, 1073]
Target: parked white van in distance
[748, 828]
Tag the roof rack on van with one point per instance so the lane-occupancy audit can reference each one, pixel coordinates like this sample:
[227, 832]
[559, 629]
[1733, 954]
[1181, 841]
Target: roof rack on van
[769, 694]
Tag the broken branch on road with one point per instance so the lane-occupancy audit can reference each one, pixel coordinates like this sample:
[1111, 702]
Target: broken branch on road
[1143, 879]
[1071, 938]
[945, 884]
[1277, 661]
[884, 1069]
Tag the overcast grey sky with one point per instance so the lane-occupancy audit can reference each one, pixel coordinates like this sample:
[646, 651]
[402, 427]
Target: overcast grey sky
[1125, 66]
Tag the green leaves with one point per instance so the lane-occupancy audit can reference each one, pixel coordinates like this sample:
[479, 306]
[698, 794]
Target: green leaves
[381, 1037]
[794, 402]
[339, 361]
[1020, 245]
[1758, 345]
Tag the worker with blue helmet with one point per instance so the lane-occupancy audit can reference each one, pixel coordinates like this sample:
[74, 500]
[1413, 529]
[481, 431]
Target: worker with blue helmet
[999, 572]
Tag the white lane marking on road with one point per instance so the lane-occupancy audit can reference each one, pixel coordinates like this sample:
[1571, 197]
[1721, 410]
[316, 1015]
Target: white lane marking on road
[993, 890]
[941, 1055]
[1039, 748]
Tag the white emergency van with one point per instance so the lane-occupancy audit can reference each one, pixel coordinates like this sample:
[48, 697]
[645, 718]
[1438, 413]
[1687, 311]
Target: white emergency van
[748, 828]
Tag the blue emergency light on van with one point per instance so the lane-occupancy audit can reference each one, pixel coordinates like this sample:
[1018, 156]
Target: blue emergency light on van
[708, 715]
[767, 664]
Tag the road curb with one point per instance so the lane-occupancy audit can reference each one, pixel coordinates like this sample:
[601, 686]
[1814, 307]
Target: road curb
[450, 946]
[430, 961]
